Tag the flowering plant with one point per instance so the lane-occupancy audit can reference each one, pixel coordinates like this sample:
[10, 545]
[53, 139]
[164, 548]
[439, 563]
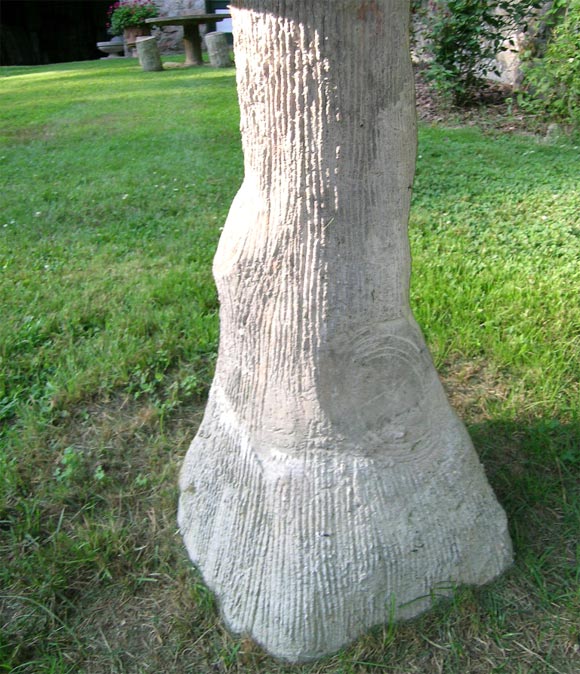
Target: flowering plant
[129, 13]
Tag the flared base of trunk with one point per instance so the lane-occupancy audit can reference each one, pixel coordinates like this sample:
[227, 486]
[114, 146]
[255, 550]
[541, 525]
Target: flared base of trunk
[305, 553]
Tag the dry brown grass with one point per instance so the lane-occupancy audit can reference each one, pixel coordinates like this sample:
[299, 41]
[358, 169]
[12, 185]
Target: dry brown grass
[143, 608]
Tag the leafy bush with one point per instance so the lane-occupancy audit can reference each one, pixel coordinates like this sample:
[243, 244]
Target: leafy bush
[465, 36]
[552, 81]
[130, 13]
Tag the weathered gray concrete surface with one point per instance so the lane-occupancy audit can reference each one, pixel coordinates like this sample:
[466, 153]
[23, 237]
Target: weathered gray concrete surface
[148, 53]
[170, 38]
[218, 50]
[330, 486]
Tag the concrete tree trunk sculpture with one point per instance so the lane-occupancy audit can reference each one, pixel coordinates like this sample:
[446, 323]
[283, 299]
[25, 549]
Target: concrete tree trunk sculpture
[218, 50]
[330, 486]
[148, 53]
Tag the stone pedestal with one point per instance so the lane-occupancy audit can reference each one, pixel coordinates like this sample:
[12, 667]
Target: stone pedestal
[148, 54]
[218, 50]
[114, 48]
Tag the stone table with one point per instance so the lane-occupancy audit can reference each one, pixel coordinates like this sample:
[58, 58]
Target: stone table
[191, 35]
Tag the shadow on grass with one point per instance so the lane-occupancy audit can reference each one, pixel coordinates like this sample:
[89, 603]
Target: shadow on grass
[534, 469]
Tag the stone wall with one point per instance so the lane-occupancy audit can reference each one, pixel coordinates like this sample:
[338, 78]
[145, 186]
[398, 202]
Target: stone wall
[508, 62]
[171, 37]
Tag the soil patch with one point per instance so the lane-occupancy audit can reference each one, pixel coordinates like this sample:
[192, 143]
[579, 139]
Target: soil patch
[493, 109]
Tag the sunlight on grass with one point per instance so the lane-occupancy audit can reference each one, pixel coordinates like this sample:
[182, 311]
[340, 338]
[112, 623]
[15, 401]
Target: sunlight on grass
[114, 188]
[507, 236]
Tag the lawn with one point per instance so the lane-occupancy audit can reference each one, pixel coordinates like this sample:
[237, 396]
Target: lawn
[114, 187]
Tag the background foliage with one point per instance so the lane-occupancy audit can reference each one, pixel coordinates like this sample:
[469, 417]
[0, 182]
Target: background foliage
[464, 38]
[130, 13]
[552, 77]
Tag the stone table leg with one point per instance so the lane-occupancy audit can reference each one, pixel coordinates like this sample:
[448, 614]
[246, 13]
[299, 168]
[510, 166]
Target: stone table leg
[192, 43]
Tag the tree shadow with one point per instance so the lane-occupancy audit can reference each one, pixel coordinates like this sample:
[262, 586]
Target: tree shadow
[534, 468]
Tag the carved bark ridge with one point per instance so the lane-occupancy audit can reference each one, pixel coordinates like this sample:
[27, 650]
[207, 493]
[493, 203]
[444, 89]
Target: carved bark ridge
[330, 486]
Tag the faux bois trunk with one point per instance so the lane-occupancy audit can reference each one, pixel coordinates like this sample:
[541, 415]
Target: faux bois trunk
[330, 486]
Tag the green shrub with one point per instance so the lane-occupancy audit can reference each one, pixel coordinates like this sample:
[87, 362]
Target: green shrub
[552, 81]
[130, 13]
[464, 38]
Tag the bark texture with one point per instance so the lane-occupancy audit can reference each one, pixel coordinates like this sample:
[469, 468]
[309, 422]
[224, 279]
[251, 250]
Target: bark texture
[148, 53]
[330, 486]
[218, 50]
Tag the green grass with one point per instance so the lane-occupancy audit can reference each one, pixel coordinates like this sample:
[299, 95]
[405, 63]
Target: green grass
[115, 184]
